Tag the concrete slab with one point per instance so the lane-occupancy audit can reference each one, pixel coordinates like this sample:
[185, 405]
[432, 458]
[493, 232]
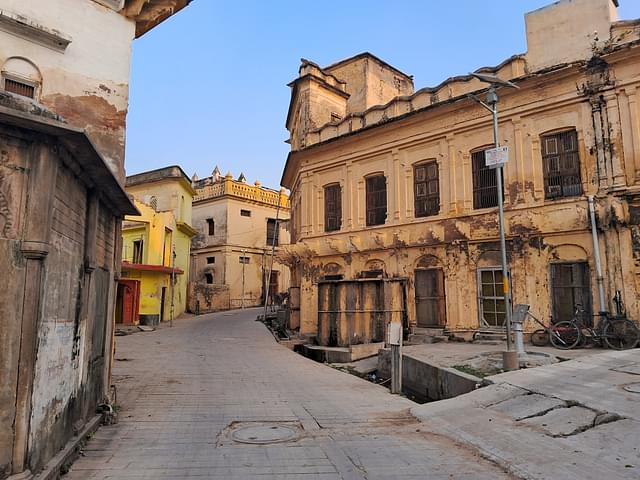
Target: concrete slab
[563, 422]
[524, 406]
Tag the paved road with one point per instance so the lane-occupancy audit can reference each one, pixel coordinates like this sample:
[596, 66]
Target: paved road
[578, 419]
[184, 390]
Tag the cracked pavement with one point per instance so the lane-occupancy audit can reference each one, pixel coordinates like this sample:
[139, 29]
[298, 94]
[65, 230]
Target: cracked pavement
[184, 391]
[578, 419]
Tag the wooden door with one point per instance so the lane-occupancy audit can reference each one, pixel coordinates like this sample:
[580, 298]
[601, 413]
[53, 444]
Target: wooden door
[430, 298]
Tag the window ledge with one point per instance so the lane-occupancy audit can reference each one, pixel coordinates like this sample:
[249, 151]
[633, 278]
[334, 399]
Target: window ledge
[24, 27]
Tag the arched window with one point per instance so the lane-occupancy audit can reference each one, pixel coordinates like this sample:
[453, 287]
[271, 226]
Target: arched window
[22, 77]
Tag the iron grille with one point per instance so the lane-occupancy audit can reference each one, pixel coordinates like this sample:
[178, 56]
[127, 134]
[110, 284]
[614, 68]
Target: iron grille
[426, 189]
[19, 88]
[485, 185]
[561, 165]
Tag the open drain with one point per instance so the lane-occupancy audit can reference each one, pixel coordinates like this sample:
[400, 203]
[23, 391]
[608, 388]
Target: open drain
[264, 434]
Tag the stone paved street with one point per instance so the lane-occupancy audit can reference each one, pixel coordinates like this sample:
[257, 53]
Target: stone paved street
[183, 391]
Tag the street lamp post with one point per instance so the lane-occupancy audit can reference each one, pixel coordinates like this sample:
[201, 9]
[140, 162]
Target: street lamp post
[510, 357]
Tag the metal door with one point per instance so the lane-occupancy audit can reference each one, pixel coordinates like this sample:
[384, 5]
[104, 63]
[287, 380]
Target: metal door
[430, 298]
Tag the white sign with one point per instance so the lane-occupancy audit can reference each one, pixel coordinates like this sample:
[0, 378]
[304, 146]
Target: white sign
[394, 331]
[495, 157]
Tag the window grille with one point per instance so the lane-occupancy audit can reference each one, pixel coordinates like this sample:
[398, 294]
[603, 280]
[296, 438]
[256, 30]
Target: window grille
[426, 189]
[332, 208]
[376, 200]
[19, 88]
[561, 165]
[485, 185]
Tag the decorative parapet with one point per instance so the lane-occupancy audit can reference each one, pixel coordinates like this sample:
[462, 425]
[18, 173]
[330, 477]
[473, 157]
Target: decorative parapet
[449, 89]
[208, 188]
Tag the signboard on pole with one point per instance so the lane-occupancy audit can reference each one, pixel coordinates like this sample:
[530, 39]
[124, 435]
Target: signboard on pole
[496, 157]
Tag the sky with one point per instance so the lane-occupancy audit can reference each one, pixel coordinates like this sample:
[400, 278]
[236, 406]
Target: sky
[209, 85]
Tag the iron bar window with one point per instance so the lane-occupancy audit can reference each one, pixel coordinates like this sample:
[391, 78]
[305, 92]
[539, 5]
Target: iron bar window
[332, 208]
[485, 185]
[426, 189]
[376, 200]
[561, 165]
[19, 88]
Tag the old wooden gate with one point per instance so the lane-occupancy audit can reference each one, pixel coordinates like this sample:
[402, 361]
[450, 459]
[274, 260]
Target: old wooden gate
[353, 312]
[430, 298]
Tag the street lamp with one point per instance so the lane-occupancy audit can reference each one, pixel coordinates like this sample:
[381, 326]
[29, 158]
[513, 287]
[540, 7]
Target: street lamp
[510, 357]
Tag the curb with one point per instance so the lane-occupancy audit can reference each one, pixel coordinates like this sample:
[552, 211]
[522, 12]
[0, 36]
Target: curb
[70, 452]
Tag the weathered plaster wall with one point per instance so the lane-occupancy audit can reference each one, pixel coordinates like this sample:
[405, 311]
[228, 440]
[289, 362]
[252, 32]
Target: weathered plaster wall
[460, 239]
[234, 234]
[13, 190]
[89, 89]
[566, 31]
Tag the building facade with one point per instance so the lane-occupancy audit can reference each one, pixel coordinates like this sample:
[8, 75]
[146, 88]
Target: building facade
[156, 248]
[63, 101]
[239, 225]
[391, 194]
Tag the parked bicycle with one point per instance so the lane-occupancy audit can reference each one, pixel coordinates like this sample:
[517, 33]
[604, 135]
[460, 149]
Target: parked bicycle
[616, 332]
[540, 337]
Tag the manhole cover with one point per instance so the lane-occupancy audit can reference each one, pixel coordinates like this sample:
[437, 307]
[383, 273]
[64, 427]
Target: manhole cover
[632, 387]
[264, 434]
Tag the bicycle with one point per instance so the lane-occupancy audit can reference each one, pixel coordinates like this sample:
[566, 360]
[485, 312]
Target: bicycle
[540, 337]
[615, 332]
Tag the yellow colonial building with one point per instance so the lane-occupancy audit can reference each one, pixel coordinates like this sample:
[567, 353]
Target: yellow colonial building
[240, 226]
[156, 247]
[394, 210]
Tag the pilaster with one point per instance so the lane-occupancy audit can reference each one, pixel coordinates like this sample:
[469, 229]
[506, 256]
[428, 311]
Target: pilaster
[34, 248]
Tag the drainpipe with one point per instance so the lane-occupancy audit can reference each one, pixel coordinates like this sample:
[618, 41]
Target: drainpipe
[596, 252]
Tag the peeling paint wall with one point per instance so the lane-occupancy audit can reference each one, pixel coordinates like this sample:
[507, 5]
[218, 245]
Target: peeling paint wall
[88, 82]
[461, 240]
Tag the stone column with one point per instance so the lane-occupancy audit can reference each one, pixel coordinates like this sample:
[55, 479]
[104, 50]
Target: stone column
[34, 248]
[347, 196]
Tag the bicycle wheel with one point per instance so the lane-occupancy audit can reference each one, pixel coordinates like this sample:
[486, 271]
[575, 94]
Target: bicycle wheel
[564, 335]
[540, 338]
[621, 334]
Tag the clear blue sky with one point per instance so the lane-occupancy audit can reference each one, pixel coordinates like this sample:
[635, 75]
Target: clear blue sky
[209, 86]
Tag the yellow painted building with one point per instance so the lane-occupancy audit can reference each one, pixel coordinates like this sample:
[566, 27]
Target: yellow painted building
[394, 210]
[156, 247]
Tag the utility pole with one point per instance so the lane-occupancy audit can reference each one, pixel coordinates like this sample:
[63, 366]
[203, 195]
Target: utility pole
[510, 357]
[273, 250]
[244, 262]
[173, 282]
